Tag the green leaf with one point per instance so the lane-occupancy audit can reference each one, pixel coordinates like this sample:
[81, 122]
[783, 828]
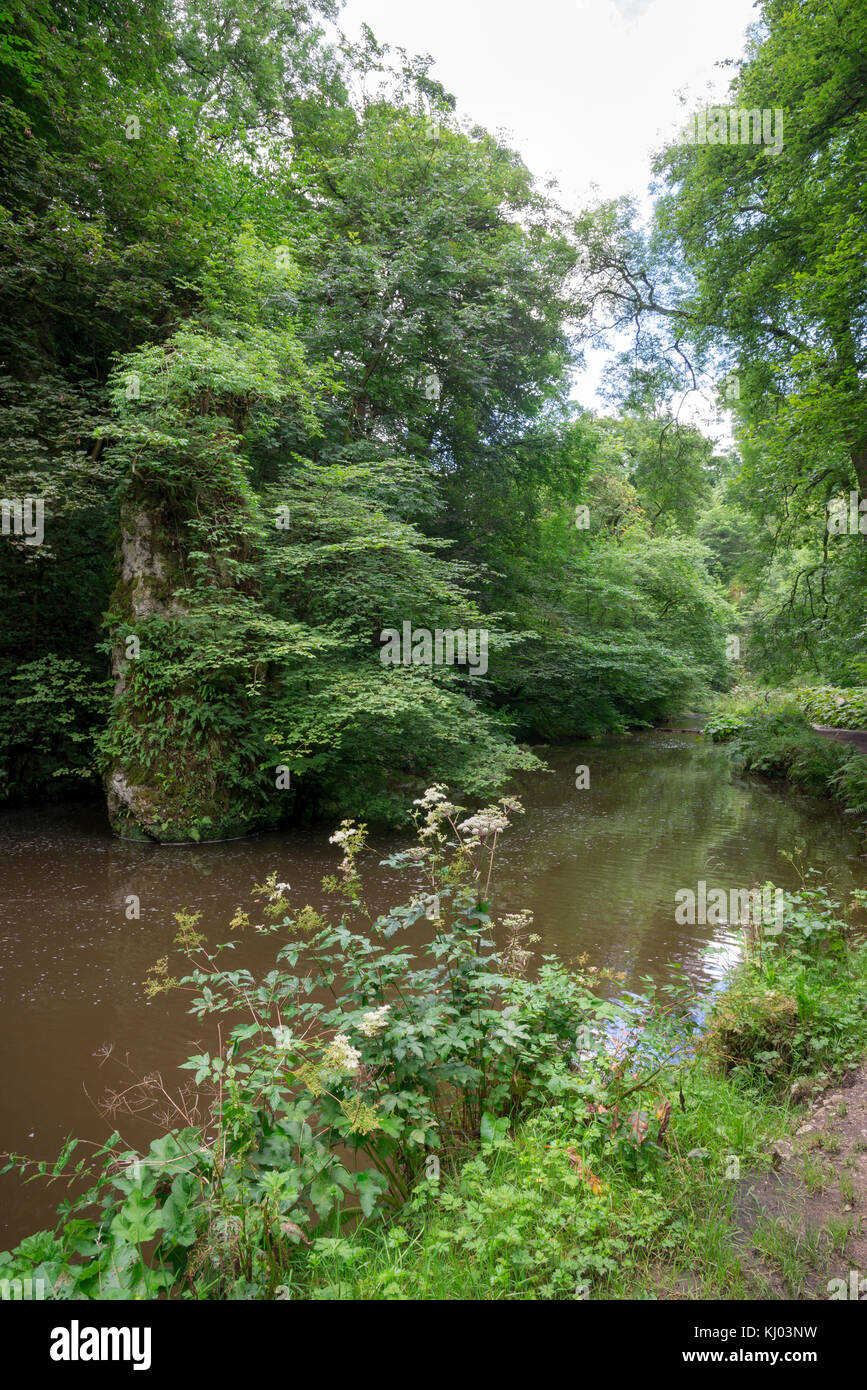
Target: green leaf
[138, 1219]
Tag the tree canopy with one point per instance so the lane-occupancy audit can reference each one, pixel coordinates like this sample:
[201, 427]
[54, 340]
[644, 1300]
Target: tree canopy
[287, 353]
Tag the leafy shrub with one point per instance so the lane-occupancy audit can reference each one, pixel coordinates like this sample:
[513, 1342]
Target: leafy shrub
[777, 740]
[49, 725]
[521, 1219]
[783, 745]
[719, 728]
[850, 783]
[753, 1028]
[305, 1161]
[335, 1079]
[799, 1002]
[838, 708]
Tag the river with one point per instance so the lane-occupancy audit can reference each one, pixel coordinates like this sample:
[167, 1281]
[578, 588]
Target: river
[598, 865]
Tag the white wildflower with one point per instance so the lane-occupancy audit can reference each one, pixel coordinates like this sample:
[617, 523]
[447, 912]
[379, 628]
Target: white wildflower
[431, 797]
[340, 1055]
[435, 817]
[374, 1021]
[484, 823]
[517, 921]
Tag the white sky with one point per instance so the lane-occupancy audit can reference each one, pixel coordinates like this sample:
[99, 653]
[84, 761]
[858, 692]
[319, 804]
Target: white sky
[584, 89]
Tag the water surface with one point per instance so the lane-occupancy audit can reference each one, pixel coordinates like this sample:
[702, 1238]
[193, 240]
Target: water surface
[599, 867]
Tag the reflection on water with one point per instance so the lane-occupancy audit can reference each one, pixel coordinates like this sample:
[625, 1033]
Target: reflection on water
[599, 867]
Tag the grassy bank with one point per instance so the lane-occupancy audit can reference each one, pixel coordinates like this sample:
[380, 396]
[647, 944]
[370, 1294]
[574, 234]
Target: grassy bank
[771, 734]
[529, 1217]
[523, 1219]
[376, 1122]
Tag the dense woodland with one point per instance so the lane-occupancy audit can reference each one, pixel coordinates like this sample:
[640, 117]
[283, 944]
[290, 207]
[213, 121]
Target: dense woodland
[291, 360]
[288, 351]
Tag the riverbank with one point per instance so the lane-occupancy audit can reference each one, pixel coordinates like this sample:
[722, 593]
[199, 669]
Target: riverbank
[757, 1188]
[774, 737]
[520, 1222]
[598, 867]
[474, 1127]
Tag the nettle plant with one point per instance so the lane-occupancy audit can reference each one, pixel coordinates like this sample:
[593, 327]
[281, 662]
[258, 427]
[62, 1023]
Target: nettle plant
[340, 1080]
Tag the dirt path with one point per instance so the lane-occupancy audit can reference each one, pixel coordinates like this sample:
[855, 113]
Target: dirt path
[805, 1221]
[857, 737]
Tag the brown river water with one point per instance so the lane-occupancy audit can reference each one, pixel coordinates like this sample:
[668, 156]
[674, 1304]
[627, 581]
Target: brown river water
[598, 866]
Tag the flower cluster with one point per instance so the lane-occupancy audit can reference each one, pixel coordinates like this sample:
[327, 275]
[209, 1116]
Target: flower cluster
[432, 796]
[414, 855]
[340, 1055]
[516, 957]
[437, 808]
[271, 889]
[374, 1021]
[274, 895]
[490, 820]
[362, 1117]
[517, 921]
[350, 837]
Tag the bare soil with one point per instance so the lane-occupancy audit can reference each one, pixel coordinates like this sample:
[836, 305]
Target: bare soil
[803, 1224]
